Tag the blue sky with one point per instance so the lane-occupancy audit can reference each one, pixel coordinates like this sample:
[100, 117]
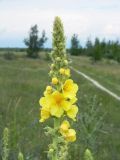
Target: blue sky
[87, 18]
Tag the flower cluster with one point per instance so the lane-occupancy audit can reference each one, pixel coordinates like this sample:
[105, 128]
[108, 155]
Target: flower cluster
[67, 132]
[59, 100]
[58, 103]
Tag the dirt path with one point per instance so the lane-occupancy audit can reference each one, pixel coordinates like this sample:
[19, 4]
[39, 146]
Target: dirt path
[97, 84]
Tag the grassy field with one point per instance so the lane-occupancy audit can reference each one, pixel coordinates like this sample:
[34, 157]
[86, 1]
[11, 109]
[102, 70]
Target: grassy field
[22, 82]
[106, 72]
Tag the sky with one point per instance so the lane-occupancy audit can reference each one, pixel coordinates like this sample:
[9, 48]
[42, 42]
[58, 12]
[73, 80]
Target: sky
[87, 18]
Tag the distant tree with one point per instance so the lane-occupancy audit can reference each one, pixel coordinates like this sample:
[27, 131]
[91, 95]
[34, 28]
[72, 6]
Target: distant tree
[109, 50]
[103, 47]
[116, 51]
[89, 47]
[75, 46]
[97, 54]
[34, 43]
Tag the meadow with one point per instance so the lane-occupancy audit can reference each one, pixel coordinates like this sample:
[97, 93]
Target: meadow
[22, 82]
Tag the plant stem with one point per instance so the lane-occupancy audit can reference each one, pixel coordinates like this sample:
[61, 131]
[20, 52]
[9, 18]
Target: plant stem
[55, 139]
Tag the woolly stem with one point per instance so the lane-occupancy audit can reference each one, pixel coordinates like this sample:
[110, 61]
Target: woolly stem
[55, 139]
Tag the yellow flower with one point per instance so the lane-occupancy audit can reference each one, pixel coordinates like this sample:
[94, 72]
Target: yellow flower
[64, 127]
[45, 110]
[70, 88]
[71, 135]
[58, 104]
[44, 113]
[71, 113]
[67, 72]
[62, 71]
[54, 80]
[72, 100]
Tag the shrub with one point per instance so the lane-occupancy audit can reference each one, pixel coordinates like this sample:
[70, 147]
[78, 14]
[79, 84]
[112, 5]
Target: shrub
[9, 55]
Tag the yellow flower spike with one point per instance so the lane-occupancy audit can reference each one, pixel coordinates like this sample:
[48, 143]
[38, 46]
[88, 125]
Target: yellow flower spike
[62, 71]
[59, 101]
[67, 72]
[70, 88]
[55, 80]
[64, 127]
[71, 135]
[72, 112]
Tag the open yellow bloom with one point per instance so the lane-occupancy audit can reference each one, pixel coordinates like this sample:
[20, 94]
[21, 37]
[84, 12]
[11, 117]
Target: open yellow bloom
[72, 112]
[70, 88]
[58, 104]
[64, 127]
[71, 135]
[45, 110]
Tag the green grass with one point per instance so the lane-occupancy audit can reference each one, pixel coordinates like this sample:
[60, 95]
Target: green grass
[22, 82]
[105, 72]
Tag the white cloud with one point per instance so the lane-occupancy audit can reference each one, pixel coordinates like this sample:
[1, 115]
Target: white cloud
[87, 18]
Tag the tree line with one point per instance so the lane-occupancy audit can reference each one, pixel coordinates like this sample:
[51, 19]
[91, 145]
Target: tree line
[97, 49]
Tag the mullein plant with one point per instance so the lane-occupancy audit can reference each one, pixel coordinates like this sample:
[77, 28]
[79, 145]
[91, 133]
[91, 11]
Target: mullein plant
[88, 155]
[20, 156]
[5, 144]
[59, 100]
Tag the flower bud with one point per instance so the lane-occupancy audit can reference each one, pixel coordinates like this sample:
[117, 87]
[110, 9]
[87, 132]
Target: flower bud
[67, 72]
[52, 65]
[64, 127]
[51, 150]
[62, 71]
[88, 155]
[49, 89]
[51, 72]
[66, 62]
[54, 80]
[71, 135]
[58, 59]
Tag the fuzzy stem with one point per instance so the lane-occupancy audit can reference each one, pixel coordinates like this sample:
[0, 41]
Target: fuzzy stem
[55, 139]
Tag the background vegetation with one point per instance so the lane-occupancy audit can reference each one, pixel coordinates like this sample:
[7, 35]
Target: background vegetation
[97, 49]
[22, 82]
